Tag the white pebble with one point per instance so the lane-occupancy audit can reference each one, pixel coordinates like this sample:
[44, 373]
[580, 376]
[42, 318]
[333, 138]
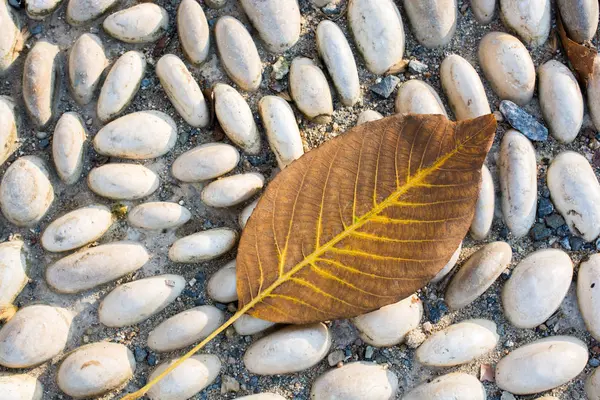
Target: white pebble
[356, 381]
[456, 385]
[588, 286]
[86, 65]
[262, 396]
[483, 10]
[485, 206]
[249, 325]
[143, 23]
[368, 116]
[592, 385]
[205, 162]
[246, 213]
[123, 181]
[203, 246]
[417, 97]
[282, 130]
[8, 128]
[22, 387]
[593, 93]
[68, 146]
[41, 82]
[158, 215]
[232, 190]
[194, 32]
[10, 36]
[449, 265]
[529, 18]
[40, 9]
[433, 21]
[277, 22]
[221, 286]
[310, 90]
[580, 18]
[13, 270]
[80, 12]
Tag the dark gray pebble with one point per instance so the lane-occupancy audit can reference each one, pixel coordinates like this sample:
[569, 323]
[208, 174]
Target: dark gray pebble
[554, 221]
[564, 242]
[562, 230]
[540, 232]
[386, 86]
[576, 243]
[545, 207]
[152, 360]
[523, 122]
[594, 362]
[139, 354]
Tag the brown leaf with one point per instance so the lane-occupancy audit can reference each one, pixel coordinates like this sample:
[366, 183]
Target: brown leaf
[580, 56]
[364, 220]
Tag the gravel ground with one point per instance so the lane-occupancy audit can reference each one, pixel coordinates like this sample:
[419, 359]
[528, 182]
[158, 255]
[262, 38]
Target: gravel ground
[231, 347]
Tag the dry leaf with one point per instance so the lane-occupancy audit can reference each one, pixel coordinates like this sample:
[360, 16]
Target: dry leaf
[361, 222]
[580, 56]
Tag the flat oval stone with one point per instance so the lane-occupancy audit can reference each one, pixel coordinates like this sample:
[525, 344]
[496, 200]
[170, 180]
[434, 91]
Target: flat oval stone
[182, 90]
[449, 265]
[588, 280]
[95, 369]
[356, 381]
[123, 181]
[249, 325]
[238, 53]
[593, 92]
[433, 21]
[34, 335]
[417, 97]
[561, 101]
[221, 286]
[10, 36]
[310, 90]
[193, 30]
[232, 190]
[205, 162]
[22, 387]
[188, 379]
[575, 193]
[282, 130]
[13, 270]
[478, 274]
[449, 386]
[458, 344]
[580, 18]
[262, 396]
[134, 302]
[77, 228]
[137, 136]
[236, 119]
[561, 358]
[485, 207]
[518, 182]
[121, 85]
[537, 287]
[68, 144]
[291, 349]
[203, 246]
[337, 56]
[40, 9]
[277, 22]
[41, 82]
[483, 10]
[95, 266]
[246, 213]
[143, 23]
[86, 64]
[378, 33]
[463, 88]
[592, 385]
[529, 18]
[185, 328]
[368, 116]
[8, 128]
[508, 67]
[25, 191]
[158, 215]
[80, 12]
[389, 325]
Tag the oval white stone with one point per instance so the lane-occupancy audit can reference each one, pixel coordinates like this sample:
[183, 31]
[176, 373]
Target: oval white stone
[310, 90]
[458, 344]
[158, 215]
[203, 246]
[183, 90]
[529, 18]
[291, 349]
[249, 325]
[232, 190]
[41, 82]
[95, 369]
[123, 181]
[77, 228]
[417, 97]
[277, 22]
[134, 302]
[282, 130]
[588, 285]
[142, 23]
[207, 161]
[592, 385]
[8, 127]
[335, 51]
[246, 213]
[185, 328]
[25, 191]
[22, 387]
[378, 33]
[508, 67]
[10, 36]
[575, 193]
[238, 53]
[86, 64]
[593, 93]
[137, 136]
[389, 325]
[40, 9]
[194, 33]
[80, 12]
[121, 85]
[236, 119]
[537, 287]
[221, 286]
[433, 21]
[68, 144]
[356, 381]
[447, 387]
[463, 87]
[368, 116]
[13, 270]
[518, 182]
[561, 101]
[483, 10]
[541, 365]
[193, 375]
[449, 265]
[478, 274]
[484, 209]
[34, 335]
[95, 266]
[580, 18]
